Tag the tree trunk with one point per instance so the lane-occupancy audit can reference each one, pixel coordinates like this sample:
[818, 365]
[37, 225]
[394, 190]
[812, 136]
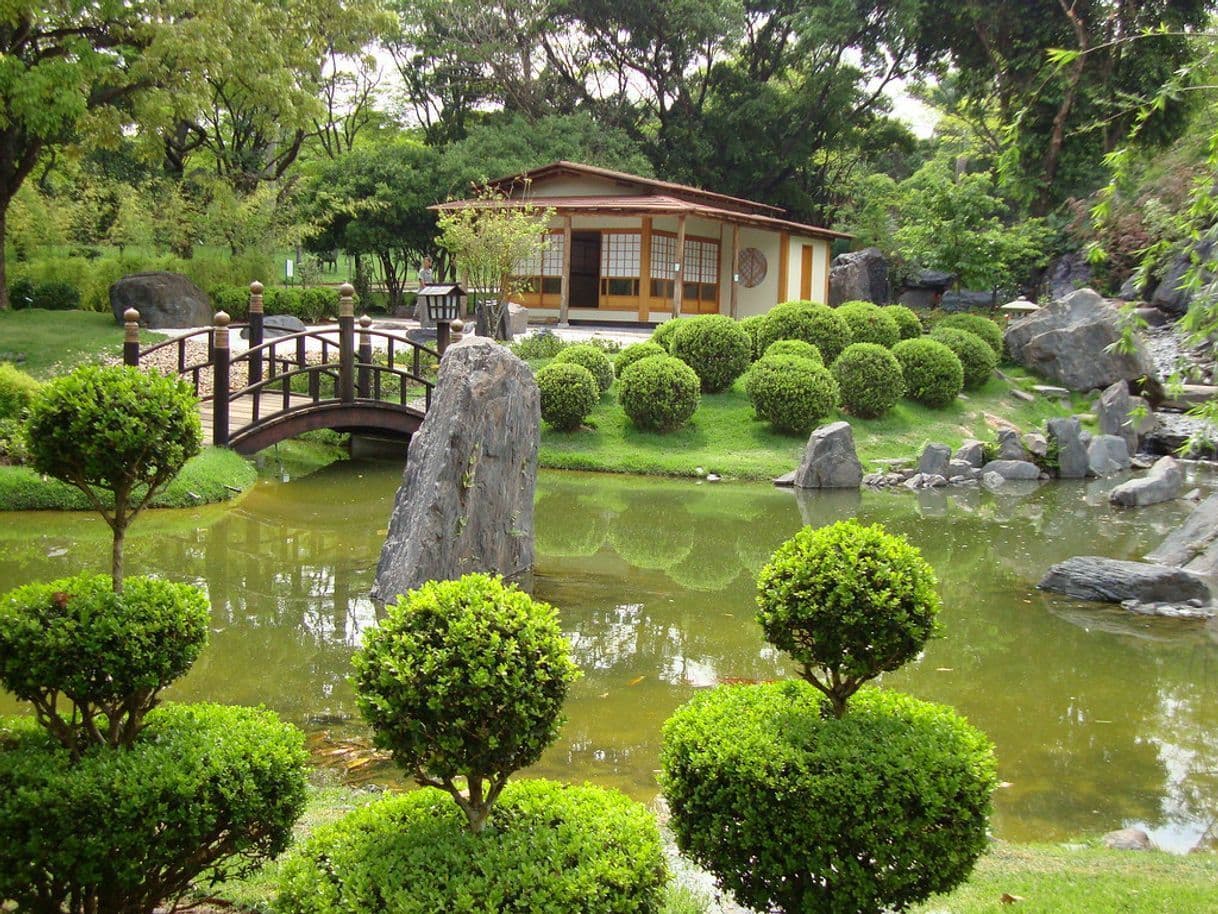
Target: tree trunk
[116, 558]
[4, 303]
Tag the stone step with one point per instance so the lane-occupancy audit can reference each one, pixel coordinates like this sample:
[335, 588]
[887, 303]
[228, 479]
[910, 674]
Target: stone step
[1048, 390]
[1189, 395]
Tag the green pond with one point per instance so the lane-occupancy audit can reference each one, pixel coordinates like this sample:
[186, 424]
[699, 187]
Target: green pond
[1101, 719]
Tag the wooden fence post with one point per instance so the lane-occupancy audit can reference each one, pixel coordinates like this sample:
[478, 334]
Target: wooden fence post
[346, 343]
[131, 337]
[219, 381]
[365, 357]
[255, 315]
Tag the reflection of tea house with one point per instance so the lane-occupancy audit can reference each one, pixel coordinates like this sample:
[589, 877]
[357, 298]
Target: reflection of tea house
[625, 248]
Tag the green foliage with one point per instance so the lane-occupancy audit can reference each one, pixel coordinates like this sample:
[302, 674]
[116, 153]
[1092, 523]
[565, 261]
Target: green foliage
[663, 334]
[592, 358]
[548, 849]
[753, 327]
[796, 812]
[659, 393]
[17, 391]
[976, 357]
[569, 393]
[870, 379]
[797, 348]
[539, 345]
[311, 304]
[908, 322]
[54, 295]
[465, 679]
[206, 791]
[108, 654]
[933, 373]
[12, 446]
[819, 325]
[870, 323]
[715, 347]
[793, 394]
[847, 602]
[633, 353]
[977, 324]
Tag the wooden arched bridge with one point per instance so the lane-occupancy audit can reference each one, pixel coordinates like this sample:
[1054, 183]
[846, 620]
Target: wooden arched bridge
[332, 378]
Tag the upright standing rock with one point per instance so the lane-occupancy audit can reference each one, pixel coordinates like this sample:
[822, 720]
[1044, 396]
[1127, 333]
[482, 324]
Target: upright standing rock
[1065, 436]
[164, 300]
[859, 275]
[830, 461]
[1009, 445]
[1113, 412]
[466, 500]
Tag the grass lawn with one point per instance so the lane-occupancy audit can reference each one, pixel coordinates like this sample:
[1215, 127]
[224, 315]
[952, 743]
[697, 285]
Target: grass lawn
[53, 342]
[723, 436]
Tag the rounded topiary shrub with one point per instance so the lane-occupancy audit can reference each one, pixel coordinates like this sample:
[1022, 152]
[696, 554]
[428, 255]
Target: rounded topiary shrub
[715, 347]
[465, 679]
[568, 392]
[977, 358]
[797, 812]
[817, 324]
[541, 344]
[847, 602]
[870, 323]
[633, 353]
[17, 391]
[979, 324]
[797, 348]
[659, 393]
[869, 377]
[908, 322]
[753, 327]
[591, 357]
[791, 393]
[549, 848]
[205, 789]
[108, 654]
[933, 374]
[663, 334]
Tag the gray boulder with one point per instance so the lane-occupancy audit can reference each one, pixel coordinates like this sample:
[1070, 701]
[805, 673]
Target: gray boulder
[1068, 341]
[1194, 544]
[830, 461]
[1162, 482]
[1067, 274]
[1090, 577]
[859, 276]
[1107, 455]
[934, 460]
[1009, 445]
[1113, 413]
[1128, 839]
[1011, 469]
[277, 325]
[971, 452]
[962, 468]
[518, 319]
[965, 300]
[165, 301]
[1168, 296]
[466, 500]
[992, 480]
[1066, 435]
[1036, 444]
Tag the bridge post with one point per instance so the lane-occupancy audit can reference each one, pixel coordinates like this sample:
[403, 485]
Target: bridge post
[346, 343]
[255, 361]
[131, 337]
[365, 358]
[219, 381]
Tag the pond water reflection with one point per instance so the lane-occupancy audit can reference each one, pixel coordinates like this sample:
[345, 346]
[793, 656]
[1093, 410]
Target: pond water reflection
[1101, 719]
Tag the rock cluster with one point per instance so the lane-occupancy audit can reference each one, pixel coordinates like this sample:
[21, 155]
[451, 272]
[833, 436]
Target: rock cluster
[859, 276]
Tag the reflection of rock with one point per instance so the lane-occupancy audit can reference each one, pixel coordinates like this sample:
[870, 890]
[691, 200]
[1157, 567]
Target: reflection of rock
[566, 527]
[1112, 620]
[1104, 580]
[1194, 544]
[824, 507]
[653, 534]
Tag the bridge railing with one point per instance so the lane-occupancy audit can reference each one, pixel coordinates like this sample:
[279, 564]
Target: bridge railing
[356, 377]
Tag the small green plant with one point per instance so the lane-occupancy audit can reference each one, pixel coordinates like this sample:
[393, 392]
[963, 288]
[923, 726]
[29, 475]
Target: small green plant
[633, 353]
[568, 392]
[977, 359]
[114, 429]
[591, 357]
[753, 327]
[791, 393]
[715, 347]
[870, 323]
[463, 681]
[17, 391]
[817, 324]
[907, 320]
[662, 335]
[797, 348]
[659, 393]
[539, 345]
[933, 374]
[978, 324]
[869, 378]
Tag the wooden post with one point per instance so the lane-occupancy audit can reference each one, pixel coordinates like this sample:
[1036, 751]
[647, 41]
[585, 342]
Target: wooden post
[131, 337]
[735, 270]
[346, 343]
[784, 264]
[219, 380]
[365, 358]
[645, 271]
[564, 301]
[255, 361]
[678, 276]
[442, 336]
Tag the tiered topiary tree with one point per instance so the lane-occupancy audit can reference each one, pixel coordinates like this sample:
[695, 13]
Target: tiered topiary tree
[715, 347]
[817, 795]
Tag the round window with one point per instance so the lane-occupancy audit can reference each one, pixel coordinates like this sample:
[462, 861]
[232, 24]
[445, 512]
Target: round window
[752, 267]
